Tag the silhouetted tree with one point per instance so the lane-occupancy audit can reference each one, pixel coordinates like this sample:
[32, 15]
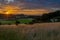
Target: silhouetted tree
[48, 16]
[45, 18]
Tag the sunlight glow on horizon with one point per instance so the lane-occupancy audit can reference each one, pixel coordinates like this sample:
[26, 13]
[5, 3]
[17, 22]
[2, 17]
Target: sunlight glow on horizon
[16, 10]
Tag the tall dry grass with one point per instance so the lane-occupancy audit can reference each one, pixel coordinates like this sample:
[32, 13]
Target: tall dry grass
[42, 31]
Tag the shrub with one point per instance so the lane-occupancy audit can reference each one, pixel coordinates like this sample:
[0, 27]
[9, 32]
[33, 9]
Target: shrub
[0, 23]
[17, 22]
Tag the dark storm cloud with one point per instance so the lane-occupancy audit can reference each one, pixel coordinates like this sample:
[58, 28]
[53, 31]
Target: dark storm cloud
[42, 3]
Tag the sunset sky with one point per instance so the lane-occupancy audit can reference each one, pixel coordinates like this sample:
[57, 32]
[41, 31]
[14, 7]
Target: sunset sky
[30, 7]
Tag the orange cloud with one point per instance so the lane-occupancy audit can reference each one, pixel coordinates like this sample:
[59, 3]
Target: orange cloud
[17, 10]
[34, 11]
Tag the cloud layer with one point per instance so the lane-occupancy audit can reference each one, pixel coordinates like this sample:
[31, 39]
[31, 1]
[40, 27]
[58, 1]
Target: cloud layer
[32, 4]
[35, 5]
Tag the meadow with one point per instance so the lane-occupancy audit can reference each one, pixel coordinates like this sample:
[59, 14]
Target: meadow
[21, 21]
[38, 31]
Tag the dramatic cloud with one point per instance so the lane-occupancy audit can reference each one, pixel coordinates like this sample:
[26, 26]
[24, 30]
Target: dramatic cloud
[50, 5]
[36, 4]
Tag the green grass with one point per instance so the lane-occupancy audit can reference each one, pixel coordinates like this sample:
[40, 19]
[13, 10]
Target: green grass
[25, 20]
[22, 21]
[7, 22]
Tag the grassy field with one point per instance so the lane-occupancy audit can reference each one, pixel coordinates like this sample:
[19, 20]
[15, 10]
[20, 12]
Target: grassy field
[22, 21]
[43, 31]
[7, 22]
[25, 21]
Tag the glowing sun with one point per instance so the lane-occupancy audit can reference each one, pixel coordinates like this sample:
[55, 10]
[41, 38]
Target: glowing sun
[11, 10]
[7, 13]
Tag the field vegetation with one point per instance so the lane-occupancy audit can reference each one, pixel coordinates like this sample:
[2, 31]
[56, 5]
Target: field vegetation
[21, 21]
[43, 31]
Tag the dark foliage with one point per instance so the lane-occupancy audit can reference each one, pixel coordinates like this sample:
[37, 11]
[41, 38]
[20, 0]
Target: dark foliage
[47, 17]
[17, 22]
[0, 23]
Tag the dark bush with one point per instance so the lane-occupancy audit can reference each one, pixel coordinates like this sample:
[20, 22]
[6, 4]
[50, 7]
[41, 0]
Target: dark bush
[9, 23]
[17, 22]
[0, 23]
